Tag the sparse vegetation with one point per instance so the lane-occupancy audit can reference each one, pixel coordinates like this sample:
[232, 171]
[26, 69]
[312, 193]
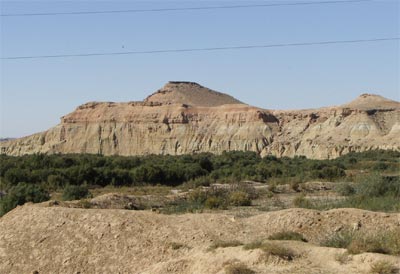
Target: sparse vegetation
[288, 235]
[275, 249]
[345, 189]
[343, 258]
[272, 249]
[387, 242]
[176, 246]
[253, 245]
[340, 239]
[238, 269]
[224, 244]
[383, 267]
[302, 201]
[212, 198]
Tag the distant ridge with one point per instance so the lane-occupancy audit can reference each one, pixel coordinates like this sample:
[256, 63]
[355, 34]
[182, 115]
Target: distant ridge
[186, 118]
[6, 139]
[372, 101]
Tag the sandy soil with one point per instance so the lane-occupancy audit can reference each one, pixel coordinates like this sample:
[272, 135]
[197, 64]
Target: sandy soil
[71, 240]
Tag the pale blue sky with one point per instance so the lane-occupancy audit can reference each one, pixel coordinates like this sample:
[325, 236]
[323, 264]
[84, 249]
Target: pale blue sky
[36, 93]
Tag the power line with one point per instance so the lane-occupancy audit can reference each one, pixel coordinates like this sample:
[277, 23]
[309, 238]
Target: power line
[203, 49]
[182, 9]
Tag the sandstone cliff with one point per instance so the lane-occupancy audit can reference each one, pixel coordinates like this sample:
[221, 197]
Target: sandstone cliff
[185, 117]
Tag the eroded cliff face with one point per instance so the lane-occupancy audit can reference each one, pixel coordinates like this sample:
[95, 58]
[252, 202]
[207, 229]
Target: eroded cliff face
[173, 124]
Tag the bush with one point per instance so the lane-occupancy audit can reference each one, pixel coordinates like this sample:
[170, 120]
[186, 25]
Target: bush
[213, 202]
[20, 194]
[239, 198]
[345, 189]
[72, 192]
[384, 243]
[287, 235]
[341, 239]
[302, 202]
[375, 185]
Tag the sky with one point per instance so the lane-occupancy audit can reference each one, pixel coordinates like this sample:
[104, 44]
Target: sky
[35, 93]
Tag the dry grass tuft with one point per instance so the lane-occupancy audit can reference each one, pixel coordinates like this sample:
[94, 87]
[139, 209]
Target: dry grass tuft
[277, 250]
[383, 267]
[238, 269]
[223, 244]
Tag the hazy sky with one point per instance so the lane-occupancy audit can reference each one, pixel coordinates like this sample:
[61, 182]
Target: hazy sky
[36, 93]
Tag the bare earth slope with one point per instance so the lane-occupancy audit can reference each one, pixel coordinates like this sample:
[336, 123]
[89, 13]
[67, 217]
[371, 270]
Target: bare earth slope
[67, 240]
[191, 94]
[186, 118]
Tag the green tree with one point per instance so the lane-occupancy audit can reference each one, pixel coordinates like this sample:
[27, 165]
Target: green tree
[20, 194]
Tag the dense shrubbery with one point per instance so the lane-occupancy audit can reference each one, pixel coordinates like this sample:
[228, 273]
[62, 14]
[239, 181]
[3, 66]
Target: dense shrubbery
[56, 171]
[20, 194]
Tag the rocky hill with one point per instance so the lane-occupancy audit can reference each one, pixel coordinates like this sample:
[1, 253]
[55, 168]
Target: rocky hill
[184, 117]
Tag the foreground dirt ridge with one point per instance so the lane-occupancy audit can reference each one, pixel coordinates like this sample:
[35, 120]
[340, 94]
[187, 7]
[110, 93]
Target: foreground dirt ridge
[70, 240]
[184, 117]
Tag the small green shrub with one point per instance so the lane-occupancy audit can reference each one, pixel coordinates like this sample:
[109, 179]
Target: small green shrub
[85, 204]
[72, 192]
[341, 239]
[302, 202]
[287, 235]
[380, 166]
[345, 189]
[239, 198]
[213, 202]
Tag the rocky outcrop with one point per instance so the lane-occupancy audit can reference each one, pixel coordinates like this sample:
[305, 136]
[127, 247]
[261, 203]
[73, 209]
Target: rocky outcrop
[186, 118]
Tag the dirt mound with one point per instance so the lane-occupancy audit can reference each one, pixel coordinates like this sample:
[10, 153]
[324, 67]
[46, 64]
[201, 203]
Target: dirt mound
[192, 94]
[70, 240]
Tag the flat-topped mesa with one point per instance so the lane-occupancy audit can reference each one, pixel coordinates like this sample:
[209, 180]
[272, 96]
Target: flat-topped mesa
[185, 118]
[190, 93]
